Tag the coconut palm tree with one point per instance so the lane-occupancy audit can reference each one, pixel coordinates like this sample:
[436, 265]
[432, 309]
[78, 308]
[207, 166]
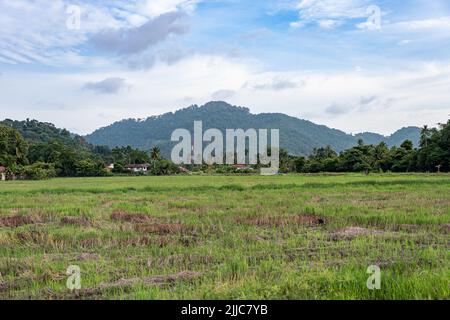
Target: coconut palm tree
[155, 153]
[424, 136]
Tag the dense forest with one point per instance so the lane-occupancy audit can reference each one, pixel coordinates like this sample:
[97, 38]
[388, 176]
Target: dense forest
[298, 136]
[36, 150]
[432, 155]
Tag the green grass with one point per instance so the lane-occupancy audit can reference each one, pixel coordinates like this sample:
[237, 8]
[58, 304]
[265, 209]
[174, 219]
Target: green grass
[218, 237]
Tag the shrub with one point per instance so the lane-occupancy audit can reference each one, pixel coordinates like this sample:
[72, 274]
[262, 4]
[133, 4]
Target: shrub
[37, 171]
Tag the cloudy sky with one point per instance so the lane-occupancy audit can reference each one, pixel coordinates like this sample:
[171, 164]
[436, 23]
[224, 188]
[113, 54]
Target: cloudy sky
[355, 65]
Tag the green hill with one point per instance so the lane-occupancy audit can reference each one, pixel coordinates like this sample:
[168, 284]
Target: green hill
[298, 136]
[35, 132]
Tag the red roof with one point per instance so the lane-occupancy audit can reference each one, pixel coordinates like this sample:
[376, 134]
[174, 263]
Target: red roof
[2, 169]
[137, 166]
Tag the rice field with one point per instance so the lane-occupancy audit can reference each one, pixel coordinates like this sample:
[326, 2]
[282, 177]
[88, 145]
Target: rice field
[226, 237]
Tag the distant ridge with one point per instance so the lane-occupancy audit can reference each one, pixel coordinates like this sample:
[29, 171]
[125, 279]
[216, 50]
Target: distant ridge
[298, 136]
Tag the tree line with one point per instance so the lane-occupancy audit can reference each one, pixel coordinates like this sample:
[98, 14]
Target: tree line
[64, 157]
[432, 155]
[60, 154]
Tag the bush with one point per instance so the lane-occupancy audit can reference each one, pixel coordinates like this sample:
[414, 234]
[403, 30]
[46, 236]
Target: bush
[37, 171]
[90, 168]
[163, 167]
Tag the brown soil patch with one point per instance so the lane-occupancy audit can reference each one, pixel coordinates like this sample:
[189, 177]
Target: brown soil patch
[8, 286]
[75, 221]
[19, 220]
[91, 242]
[149, 281]
[161, 228]
[283, 221]
[35, 237]
[446, 228]
[129, 217]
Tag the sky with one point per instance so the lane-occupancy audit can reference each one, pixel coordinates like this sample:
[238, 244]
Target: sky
[354, 65]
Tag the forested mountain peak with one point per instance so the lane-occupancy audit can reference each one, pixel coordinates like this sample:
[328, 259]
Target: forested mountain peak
[298, 136]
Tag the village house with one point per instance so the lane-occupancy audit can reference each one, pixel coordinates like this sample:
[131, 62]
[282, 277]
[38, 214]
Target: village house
[138, 167]
[242, 167]
[2, 173]
[183, 170]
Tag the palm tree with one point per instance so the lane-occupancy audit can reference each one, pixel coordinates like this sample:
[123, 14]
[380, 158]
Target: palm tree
[424, 136]
[155, 153]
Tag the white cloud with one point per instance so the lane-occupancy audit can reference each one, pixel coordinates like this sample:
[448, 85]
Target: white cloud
[442, 23]
[107, 86]
[223, 94]
[297, 24]
[351, 101]
[36, 31]
[154, 8]
[413, 32]
[330, 13]
[274, 82]
[319, 9]
[154, 91]
[329, 24]
[136, 40]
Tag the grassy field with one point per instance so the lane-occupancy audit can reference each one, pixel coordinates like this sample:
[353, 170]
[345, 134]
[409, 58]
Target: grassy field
[215, 237]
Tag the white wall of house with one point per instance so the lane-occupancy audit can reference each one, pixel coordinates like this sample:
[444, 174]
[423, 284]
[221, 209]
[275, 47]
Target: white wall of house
[2, 177]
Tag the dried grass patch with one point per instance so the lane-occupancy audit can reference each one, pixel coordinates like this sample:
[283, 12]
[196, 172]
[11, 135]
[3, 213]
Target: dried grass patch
[120, 215]
[352, 232]
[162, 228]
[179, 259]
[19, 220]
[310, 220]
[76, 221]
[122, 284]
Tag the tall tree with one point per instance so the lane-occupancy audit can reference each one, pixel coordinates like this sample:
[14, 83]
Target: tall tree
[155, 153]
[424, 136]
[13, 148]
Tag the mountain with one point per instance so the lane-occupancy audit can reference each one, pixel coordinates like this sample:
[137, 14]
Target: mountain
[35, 132]
[370, 137]
[396, 139]
[298, 136]
[410, 133]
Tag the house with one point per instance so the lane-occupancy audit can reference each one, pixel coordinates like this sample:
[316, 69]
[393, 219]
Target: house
[183, 170]
[241, 167]
[2, 173]
[110, 167]
[138, 167]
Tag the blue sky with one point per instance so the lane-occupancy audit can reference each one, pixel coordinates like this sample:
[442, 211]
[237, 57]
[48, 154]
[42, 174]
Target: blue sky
[355, 65]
